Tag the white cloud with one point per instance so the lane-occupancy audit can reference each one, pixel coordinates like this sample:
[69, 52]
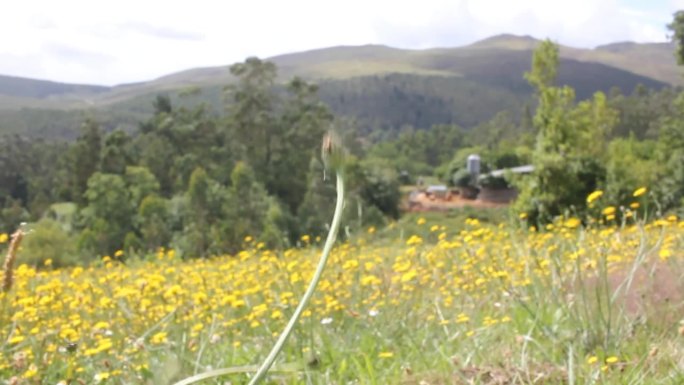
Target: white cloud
[108, 42]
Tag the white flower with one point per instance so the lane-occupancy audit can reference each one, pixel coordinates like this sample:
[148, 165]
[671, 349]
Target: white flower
[326, 321]
[373, 312]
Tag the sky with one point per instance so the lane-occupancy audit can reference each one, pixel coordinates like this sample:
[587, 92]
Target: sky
[112, 42]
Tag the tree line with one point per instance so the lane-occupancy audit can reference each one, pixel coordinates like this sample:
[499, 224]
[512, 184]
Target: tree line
[205, 183]
[199, 182]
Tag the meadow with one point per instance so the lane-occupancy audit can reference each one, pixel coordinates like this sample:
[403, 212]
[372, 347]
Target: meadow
[430, 300]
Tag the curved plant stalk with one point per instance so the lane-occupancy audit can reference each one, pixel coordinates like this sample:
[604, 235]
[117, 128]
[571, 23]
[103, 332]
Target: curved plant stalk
[332, 235]
[268, 362]
[234, 370]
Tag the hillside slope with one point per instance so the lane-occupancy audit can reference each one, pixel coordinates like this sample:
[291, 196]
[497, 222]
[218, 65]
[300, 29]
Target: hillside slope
[382, 87]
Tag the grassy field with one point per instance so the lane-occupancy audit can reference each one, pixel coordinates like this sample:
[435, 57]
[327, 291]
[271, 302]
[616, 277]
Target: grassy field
[436, 300]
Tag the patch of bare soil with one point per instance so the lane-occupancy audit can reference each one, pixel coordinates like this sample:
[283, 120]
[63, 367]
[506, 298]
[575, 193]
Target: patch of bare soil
[423, 202]
[657, 289]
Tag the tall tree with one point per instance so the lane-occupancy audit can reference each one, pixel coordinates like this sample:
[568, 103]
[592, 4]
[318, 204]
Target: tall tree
[252, 112]
[677, 28]
[570, 142]
[108, 217]
[86, 158]
[302, 126]
[116, 153]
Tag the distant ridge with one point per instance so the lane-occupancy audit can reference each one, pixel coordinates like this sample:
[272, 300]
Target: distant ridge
[367, 82]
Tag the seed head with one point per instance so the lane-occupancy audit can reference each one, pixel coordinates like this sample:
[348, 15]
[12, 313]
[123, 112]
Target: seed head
[333, 152]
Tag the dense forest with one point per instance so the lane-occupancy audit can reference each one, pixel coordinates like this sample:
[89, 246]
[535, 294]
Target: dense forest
[206, 183]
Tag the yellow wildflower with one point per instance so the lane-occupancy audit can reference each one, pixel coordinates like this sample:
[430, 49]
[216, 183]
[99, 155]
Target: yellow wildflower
[610, 210]
[572, 223]
[594, 196]
[158, 338]
[611, 360]
[639, 192]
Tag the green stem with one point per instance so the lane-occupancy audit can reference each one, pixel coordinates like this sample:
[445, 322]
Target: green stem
[261, 372]
[332, 235]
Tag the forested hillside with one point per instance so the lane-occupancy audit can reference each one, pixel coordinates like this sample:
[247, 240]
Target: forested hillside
[382, 88]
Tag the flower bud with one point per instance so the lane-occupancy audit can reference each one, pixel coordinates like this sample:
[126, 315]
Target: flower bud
[333, 152]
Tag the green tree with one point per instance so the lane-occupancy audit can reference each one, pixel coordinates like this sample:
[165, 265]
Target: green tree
[86, 158]
[381, 187]
[302, 126]
[116, 153]
[252, 112]
[631, 164]
[153, 217]
[107, 216]
[140, 183]
[670, 156]
[49, 240]
[569, 153]
[677, 28]
[251, 208]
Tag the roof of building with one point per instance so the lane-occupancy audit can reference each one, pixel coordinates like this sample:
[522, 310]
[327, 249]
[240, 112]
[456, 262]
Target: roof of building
[437, 188]
[516, 170]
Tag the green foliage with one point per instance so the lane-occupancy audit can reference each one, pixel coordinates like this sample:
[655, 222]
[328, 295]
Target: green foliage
[419, 152]
[48, 240]
[671, 156]
[201, 181]
[380, 187]
[153, 217]
[570, 150]
[86, 154]
[116, 152]
[107, 214]
[631, 164]
[677, 28]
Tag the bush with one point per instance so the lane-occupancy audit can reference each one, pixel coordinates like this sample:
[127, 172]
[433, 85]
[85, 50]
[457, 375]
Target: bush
[48, 240]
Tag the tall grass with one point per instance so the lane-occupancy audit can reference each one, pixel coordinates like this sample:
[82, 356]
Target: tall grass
[455, 301]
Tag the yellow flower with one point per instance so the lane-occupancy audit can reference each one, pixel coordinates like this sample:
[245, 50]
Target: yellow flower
[118, 253]
[101, 325]
[572, 223]
[634, 205]
[414, 240]
[48, 262]
[305, 238]
[158, 338]
[371, 230]
[522, 216]
[639, 192]
[386, 355]
[611, 360]
[31, 371]
[16, 339]
[610, 210]
[664, 254]
[594, 196]
[421, 221]
[592, 360]
[3, 237]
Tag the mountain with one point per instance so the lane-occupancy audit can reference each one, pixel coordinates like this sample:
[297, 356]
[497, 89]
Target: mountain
[383, 87]
[41, 89]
